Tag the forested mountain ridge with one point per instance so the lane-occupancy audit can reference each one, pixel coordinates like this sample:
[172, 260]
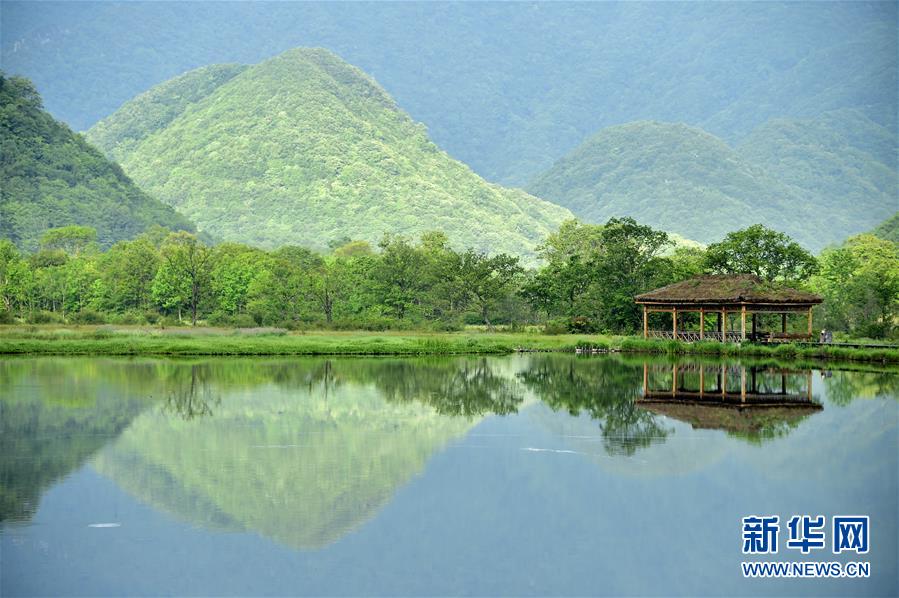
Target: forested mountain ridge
[842, 163]
[819, 180]
[304, 149]
[156, 108]
[506, 87]
[51, 177]
[670, 176]
[889, 229]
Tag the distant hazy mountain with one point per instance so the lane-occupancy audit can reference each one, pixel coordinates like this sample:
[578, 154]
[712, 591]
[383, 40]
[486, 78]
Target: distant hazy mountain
[304, 148]
[50, 177]
[508, 88]
[842, 163]
[818, 180]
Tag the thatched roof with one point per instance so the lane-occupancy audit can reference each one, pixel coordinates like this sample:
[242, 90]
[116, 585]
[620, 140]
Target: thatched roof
[743, 420]
[726, 289]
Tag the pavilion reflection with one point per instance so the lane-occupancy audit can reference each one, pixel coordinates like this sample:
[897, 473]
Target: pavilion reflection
[755, 402]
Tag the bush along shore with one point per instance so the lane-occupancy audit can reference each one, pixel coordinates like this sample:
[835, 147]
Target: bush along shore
[32, 340]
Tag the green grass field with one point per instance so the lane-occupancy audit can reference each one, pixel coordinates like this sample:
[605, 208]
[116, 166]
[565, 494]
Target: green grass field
[111, 340]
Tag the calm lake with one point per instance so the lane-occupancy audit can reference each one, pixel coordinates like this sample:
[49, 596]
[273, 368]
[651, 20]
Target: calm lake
[520, 475]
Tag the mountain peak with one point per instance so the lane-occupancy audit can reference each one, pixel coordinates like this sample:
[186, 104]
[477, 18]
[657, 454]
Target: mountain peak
[304, 148]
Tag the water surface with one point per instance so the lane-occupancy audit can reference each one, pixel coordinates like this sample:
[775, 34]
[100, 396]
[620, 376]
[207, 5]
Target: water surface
[520, 475]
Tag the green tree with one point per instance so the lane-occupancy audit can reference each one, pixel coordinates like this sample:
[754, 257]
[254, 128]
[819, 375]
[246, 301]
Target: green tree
[398, 277]
[488, 279]
[629, 262]
[860, 285]
[15, 278]
[71, 239]
[184, 275]
[234, 267]
[127, 272]
[766, 253]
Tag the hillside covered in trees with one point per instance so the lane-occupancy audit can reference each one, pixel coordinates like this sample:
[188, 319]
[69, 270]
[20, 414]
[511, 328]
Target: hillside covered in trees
[820, 180]
[306, 149]
[889, 229]
[507, 88]
[50, 177]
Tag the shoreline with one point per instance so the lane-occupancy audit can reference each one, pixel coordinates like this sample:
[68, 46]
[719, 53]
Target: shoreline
[224, 342]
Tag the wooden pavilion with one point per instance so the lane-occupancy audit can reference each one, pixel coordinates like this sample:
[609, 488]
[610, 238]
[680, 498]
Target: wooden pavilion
[723, 295]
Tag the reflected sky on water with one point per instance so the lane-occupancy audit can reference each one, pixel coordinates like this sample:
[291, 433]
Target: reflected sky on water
[518, 475]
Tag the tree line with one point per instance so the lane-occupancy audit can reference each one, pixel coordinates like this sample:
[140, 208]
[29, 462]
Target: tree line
[586, 280]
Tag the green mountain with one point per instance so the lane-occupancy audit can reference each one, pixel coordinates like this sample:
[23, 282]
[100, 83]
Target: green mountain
[50, 177]
[819, 180]
[670, 176]
[889, 229]
[843, 163]
[506, 87]
[304, 148]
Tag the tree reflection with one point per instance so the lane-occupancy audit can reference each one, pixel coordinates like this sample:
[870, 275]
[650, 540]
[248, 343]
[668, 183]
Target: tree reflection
[463, 387]
[606, 390]
[193, 395]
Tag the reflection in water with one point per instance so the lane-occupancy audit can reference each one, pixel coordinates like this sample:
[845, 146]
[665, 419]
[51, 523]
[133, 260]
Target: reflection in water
[193, 397]
[303, 451]
[54, 414]
[302, 461]
[753, 402]
[360, 476]
[605, 389]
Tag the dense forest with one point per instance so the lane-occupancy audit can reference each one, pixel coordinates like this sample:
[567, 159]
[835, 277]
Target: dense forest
[816, 179]
[50, 177]
[586, 283]
[305, 149]
[508, 88]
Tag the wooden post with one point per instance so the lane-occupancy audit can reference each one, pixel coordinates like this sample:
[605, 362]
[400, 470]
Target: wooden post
[645, 378]
[723, 384]
[783, 322]
[810, 323]
[742, 384]
[674, 321]
[701, 323]
[673, 380]
[809, 383]
[723, 324]
[701, 380]
[645, 323]
[743, 322]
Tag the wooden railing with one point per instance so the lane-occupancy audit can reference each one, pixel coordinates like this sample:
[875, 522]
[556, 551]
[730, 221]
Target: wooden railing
[693, 336]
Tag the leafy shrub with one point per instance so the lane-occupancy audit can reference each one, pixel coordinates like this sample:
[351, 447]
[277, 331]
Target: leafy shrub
[45, 317]
[581, 325]
[87, 316]
[130, 317]
[232, 321]
[555, 327]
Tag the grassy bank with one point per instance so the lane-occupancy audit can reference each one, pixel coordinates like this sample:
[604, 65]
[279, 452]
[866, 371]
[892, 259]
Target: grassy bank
[105, 340]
